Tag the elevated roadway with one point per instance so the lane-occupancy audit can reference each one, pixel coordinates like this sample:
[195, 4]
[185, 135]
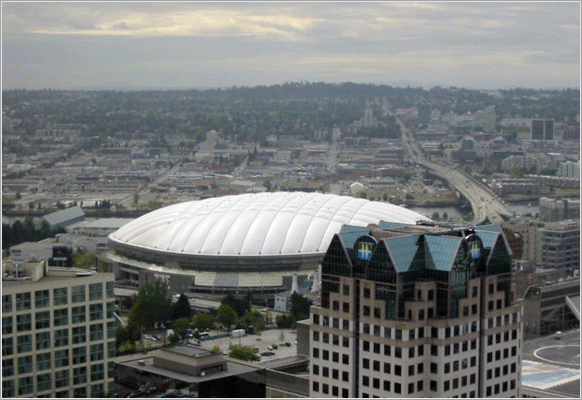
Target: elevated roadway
[486, 205]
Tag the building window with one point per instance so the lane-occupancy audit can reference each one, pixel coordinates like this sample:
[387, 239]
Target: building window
[315, 336]
[25, 385]
[110, 289]
[315, 369]
[335, 305]
[78, 314]
[367, 312]
[447, 368]
[325, 388]
[376, 383]
[61, 317]
[397, 388]
[334, 391]
[345, 376]
[345, 359]
[97, 372]
[43, 361]
[7, 346]
[43, 382]
[411, 352]
[334, 374]
[366, 363]
[41, 298]
[315, 352]
[7, 389]
[397, 370]
[345, 393]
[111, 309]
[411, 370]
[79, 355]
[346, 307]
[446, 386]
[411, 388]
[7, 303]
[60, 296]
[335, 340]
[7, 367]
[472, 378]
[366, 380]
[325, 355]
[398, 352]
[315, 386]
[62, 337]
[6, 325]
[377, 348]
[325, 337]
[431, 295]
[335, 357]
[386, 386]
[387, 332]
[97, 352]
[61, 358]
[78, 294]
[80, 393]
[420, 368]
[23, 344]
[366, 293]
[316, 319]
[346, 290]
[23, 322]
[23, 301]
[43, 340]
[43, 319]
[95, 312]
[79, 335]
[62, 378]
[95, 291]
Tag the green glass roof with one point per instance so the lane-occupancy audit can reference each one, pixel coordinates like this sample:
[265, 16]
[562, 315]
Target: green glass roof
[443, 250]
[387, 225]
[402, 249]
[350, 234]
[488, 238]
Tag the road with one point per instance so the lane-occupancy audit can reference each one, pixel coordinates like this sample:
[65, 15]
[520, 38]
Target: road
[486, 205]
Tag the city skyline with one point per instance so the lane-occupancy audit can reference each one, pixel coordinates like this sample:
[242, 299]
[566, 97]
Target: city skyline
[196, 45]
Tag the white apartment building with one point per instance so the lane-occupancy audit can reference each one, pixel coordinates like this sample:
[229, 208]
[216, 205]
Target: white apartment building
[58, 331]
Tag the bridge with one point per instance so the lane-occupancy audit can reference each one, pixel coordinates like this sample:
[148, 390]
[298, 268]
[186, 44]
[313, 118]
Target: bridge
[486, 205]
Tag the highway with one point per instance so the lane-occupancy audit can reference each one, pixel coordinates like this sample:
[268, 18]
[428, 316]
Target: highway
[486, 205]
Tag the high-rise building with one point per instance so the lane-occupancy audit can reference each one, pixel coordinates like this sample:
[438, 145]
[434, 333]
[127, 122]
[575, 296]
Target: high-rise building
[560, 244]
[58, 331]
[416, 311]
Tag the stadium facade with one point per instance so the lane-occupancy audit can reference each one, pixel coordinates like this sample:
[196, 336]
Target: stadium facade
[236, 243]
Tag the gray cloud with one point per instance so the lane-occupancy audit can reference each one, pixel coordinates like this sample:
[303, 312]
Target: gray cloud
[224, 44]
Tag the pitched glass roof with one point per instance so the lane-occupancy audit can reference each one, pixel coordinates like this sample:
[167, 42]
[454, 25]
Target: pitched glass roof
[387, 224]
[350, 234]
[488, 238]
[402, 249]
[443, 250]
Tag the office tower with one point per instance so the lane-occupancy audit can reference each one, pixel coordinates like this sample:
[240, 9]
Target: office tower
[416, 311]
[58, 331]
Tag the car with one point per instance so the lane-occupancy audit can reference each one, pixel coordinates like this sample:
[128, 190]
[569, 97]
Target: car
[275, 346]
[267, 353]
[288, 344]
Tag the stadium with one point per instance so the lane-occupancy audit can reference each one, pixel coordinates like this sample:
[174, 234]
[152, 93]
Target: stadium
[237, 243]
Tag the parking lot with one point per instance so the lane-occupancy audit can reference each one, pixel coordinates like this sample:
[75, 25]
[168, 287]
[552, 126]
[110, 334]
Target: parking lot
[262, 341]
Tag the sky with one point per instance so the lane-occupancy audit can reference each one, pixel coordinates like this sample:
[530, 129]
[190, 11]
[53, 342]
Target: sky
[167, 45]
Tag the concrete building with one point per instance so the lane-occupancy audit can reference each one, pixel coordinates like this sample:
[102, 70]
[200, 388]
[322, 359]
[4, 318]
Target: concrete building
[58, 331]
[569, 169]
[560, 245]
[416, 311]
[551, 306]
[553, 210]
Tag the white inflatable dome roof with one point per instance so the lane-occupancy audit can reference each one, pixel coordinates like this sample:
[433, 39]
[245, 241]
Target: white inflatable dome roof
[282, 223]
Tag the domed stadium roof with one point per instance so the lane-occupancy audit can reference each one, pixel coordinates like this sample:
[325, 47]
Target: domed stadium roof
[260, 224]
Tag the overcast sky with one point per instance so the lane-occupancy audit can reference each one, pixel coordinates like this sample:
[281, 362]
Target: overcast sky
[138, 45]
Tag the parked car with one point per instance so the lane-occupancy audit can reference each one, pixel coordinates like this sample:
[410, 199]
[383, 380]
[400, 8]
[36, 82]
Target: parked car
[267, 353]
[275, 346]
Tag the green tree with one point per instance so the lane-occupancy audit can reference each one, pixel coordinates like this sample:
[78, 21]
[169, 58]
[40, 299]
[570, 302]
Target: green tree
[244, 353]
[180, 326]
[152, 305]
[182, 308]
[300, 306]
[174, 338]
[445, 216]
[284, 321]
[203, 322]
[238, 304]
[252, 318]
[226, 316]
[435, 216]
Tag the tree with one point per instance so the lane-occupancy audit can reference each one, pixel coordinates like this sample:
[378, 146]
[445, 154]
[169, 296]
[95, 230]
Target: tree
[226, 316]
[244, 353]
[135, 198]
[239, 305]
[180, 326]
[182, 308]
[435, 216]
[284, 321]
[300, 306]
[203, 322]
[445, 216]
[152, 305]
